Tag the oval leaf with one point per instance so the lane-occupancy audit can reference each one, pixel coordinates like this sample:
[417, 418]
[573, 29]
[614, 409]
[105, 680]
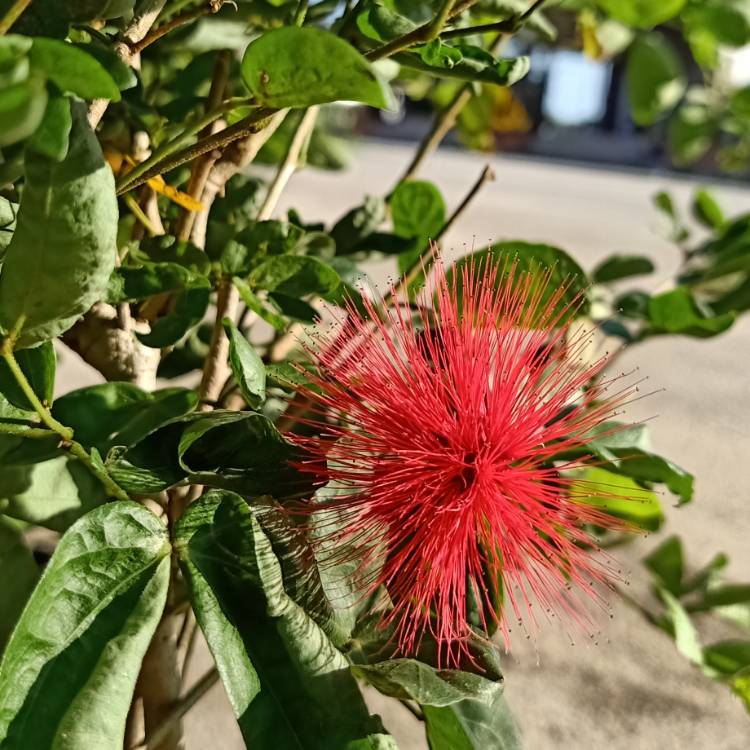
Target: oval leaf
[63, 249]
[298, 67]
[68, 674]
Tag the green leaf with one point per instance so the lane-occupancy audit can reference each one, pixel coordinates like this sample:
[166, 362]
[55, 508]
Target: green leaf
[409, 679]
[466, 62]
[72, 70]
[692, 130]
[53, 492]
[728, 657]
[38, 365]
[131, 284]
[247, 367]
[75, 654]
[255, 304]
[685, 635]
[189, 309]
[643, 14]
[18, 575]
[707, 210]
[678, 312]
[288, 685]
[295, 276]
[417, 210]
[358, 223]
[50, 139]
[654, 77]
[109, 414]
[667, 563]
[618, 267]
[298, 67]
[122, 74]
[63, 250]
[619, 496]
[541, 261]
[472, 725]
[241, 451]
[22, 108]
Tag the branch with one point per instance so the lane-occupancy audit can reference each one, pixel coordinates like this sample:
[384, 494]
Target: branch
[444, 121]
[202, 167]
[152, 167]
[213, 6]
[428, 257]
[144, 18]
[215, 370]
[531, 10]
[179, 710]
[508, 26]
[422, 34]
[13, 14]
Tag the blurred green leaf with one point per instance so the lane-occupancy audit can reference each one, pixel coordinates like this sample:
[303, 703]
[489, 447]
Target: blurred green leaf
[76, 652]
[298, 67]
[72, 70]
[50, 139]
[654, 78]
[620, 496]
[728, 657]
[358, 224]
[643, 14]
[619, 267]
[666, 562]
[691, 133]
[22, 108]
[189, 309]
[707, 210]
[295, 276]
[677, 312]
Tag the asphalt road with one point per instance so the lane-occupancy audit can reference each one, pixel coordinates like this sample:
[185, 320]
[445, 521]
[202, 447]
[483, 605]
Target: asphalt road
[631, 691]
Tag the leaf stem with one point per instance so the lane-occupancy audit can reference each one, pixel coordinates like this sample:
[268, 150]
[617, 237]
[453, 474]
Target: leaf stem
[76, 449]
[301, 12]
[13, 14]
[508, 26]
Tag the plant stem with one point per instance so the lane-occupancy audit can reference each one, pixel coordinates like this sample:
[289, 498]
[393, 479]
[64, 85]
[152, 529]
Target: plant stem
[153, 167]
[144, 18]
[143, 172]
[179, 710]
[13, 14]
[301, 12]
[227, 303]
[532, 9]
[76, 449]
[213, 6]
[22, 430]
[422, 34]
[427, 258]
[444, 121]
[507, 26]
[202, 167]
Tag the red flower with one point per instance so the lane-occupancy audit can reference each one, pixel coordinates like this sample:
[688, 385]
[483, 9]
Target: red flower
[440, 430]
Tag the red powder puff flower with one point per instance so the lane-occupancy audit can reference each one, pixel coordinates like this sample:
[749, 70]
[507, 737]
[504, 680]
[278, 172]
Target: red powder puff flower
[439, 430]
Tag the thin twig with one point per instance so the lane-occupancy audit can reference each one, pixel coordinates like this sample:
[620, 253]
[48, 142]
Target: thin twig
[12, 15]
[427, 258]
[444, 121]
[179, 710]
[422, 34]
[508, 26]
[249, 125]
[532, 9]
[215, 368]
[213, 6]
[144, 18]
[202, 167]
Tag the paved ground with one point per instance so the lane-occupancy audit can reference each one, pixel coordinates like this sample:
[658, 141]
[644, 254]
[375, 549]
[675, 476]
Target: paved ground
[632, 691]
